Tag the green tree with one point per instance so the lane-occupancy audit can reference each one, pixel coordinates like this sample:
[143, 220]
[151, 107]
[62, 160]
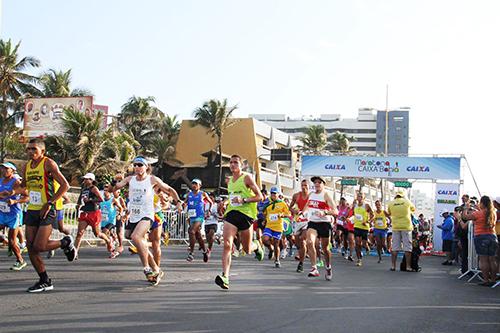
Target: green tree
[164, 144]
[15, 84]
[314, 139]
[341, 143]
[58, 84]
[216, 116]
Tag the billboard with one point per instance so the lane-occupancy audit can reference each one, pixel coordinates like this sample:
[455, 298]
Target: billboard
[104, 110]
[42, 116]
[446, 198]
[382, 167]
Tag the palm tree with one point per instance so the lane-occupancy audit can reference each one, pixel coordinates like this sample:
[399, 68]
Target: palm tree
[314, 140]
[164, 144]
[58, 84]
[216, 116]
[341, 143]
[14, 85]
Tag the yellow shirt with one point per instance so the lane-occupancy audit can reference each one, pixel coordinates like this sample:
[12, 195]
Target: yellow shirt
[400, 210]
[361, 216]
[274, 213]
[380, 220]
[41, 186]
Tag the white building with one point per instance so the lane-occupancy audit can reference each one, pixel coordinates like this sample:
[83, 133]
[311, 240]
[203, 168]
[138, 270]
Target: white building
[423, 203]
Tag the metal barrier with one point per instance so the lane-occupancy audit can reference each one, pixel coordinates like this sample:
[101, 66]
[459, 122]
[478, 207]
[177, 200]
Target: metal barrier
[473, 264]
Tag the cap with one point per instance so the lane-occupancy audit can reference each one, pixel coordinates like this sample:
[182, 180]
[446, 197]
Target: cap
[140, 159]
[9, 165]
[401, 193]
[90, 176]
[444, 211]
[315, 178]
[274, 189]
[197, 181]
[497, 199]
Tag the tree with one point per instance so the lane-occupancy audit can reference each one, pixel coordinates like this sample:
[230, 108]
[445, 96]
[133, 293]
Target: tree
[314, 140]
[216, 116]
[341, 143]
[14, 85]
[164, 144]
[58, 84]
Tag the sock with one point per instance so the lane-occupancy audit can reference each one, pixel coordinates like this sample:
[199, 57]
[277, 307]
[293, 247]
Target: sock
[22, 245]
[43, 276]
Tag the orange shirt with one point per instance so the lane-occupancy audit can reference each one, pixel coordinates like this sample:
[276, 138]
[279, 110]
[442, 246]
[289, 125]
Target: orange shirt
[480, 227]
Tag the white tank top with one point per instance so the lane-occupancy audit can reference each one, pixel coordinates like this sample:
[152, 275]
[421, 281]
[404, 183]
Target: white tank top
[141, 199]
[317, 204]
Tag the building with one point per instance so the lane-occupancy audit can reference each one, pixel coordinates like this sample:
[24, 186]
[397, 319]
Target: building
[423, 203]
[367, 129]
[249, 138]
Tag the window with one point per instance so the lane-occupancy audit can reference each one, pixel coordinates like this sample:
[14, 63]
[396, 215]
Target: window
[264, 165]
[265, 142]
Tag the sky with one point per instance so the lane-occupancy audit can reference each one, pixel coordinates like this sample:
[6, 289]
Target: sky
[441, 58]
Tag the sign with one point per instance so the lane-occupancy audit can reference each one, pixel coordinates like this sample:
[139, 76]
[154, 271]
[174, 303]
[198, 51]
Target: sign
[401, 183]
[43, 116]
[104, 110]
[284, 154]
[382, 167]
[446, 198]
[349, 182]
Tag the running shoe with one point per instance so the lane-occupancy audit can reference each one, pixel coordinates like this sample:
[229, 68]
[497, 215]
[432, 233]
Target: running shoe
[166, 239]
[259, 252]
[69, 248]
[110, 247]
[320, 263]
[283, 253]
[205, 256]
[222, 281]
[41, 286]
[190, 257]
[114, 254]
[329, 274]
[379, 260]
[51, 253]
[342, 253]
[270, 255]
[157, 276]
[277, 264]
[313, 272]
[300, 267]
[350, 258]
[359, 262]
[19, 265]
[150, 275]
[132, 249]
[24, 250]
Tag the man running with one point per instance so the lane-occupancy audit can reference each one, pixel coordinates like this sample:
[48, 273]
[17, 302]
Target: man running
[10, 211]
[320, 208]
[274, 213]
[110, 208]
[300, 230]
[380, 229]
[196, 215]
[363, 215]
[343, 209]
[45, 185]
[259, 223]
[211, 222]
[142, 213]
[240, 213]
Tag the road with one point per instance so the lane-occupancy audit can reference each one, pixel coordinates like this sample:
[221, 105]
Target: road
[97, 294]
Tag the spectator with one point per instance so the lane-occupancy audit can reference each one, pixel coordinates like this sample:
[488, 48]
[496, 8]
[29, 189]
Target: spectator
[463, 238]
[424, 228]
[496, 203]
[485, 239]
[447, 236]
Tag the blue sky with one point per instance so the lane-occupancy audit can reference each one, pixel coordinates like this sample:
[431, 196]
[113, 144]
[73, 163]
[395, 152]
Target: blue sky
[297, 57]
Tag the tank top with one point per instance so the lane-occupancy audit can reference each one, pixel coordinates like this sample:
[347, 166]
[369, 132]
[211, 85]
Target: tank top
[5, 209]
[141, 201]
[380, 220]
[237, 189]
[195, 205]
[108, 211]
[41, 186]
[317, 204]
[89, 206]
[301, 201]
[360, 217]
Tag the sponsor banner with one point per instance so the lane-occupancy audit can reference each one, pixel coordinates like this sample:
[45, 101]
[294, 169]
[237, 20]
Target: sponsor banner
[382, 167]
[446, 198]
[104, 110]
[43, 116]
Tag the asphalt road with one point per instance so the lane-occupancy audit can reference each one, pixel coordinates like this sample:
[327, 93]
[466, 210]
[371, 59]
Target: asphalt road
[97, 294]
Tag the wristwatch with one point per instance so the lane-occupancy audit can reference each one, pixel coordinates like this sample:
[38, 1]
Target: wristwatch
[244, 200]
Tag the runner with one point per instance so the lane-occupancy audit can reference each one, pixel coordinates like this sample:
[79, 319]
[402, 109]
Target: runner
[141, 207]
[90, 214]
[320, 208]
[363, 215]
[300, 226]
[120, 218]
[45, 185]
[60, 223]
[240, 213]
[258, 225]
[196, 215]
[154, 235]
[211, 222]
[380, 229]
[10, 211]
[273, 232]
[343, 209]
[110, 209]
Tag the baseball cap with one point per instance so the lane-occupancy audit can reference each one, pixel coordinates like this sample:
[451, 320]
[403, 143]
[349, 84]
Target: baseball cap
[90, 176]
[197, 181]
[401, 192]
[315, 178]
[9, 165]
[444, 211]
[497, 199]
[140, 159]
[274, 189]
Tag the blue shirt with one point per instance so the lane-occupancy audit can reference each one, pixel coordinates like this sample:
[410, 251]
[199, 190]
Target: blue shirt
[447, 228]
[5, 209]
[108, 212]
[261, 205]
[195, 206]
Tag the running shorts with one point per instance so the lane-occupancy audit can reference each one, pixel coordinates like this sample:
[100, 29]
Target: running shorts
[361, 233]
[322, 228]
[239, 220]
[92, 218]
[272, 234]
[32, 218]
[382, 233]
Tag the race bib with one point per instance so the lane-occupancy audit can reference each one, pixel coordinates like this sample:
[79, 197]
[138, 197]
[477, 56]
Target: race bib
[35, 198]
[135, 212]
[192, 212]
[380, 222]
[359, 217]
[4, 207]
[234, 196]
[104, 216]
[274, 217]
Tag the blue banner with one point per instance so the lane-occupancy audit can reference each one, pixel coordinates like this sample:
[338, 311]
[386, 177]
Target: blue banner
[382, 167]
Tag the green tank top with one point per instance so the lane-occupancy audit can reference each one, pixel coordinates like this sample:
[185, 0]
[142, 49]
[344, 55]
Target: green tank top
[360, 217]
[239, 189]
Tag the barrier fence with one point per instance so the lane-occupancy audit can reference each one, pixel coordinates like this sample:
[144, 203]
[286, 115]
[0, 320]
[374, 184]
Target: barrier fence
[473, 260]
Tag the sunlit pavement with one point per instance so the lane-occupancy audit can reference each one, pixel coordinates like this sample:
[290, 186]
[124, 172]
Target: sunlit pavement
[97, 294]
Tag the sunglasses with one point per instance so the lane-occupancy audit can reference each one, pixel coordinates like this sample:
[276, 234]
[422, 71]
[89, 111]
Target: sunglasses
[138, 165]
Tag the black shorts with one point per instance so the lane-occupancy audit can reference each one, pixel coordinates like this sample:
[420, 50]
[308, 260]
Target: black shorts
[109, 226]
[341, 228]
[239, 220]
[260, 224]
[130, 227]
[210, 227]
[322, 228]
[361, 233]
[32, 218]
[447, 244]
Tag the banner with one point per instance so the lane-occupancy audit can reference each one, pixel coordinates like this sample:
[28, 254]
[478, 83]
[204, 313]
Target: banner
[42, 116]
[382, 167]
[446, 198]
